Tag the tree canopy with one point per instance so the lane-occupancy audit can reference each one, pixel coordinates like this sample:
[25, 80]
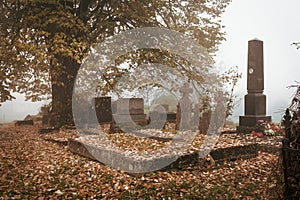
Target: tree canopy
[43, 42]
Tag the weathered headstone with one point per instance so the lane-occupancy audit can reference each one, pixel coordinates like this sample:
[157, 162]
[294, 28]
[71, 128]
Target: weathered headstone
[204, 122]
[196, 115]
[184, 108]
[255, 100]
[157, 116]
[130, 110]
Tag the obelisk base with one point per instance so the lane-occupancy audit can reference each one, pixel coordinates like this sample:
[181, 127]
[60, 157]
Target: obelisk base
[248, 122]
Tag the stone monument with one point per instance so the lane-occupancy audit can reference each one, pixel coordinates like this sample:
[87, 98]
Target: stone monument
[255, 100]
[103, 109]
[184, 108]
[130, 110]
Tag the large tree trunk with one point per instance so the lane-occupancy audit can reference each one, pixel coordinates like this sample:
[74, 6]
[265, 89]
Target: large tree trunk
[63, 79]
[62, 89]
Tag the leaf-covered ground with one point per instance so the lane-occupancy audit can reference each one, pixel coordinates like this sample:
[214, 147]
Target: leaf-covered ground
[32, 167]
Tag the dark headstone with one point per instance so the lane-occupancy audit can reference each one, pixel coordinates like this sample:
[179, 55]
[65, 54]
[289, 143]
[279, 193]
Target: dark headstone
[171, 117]
[103, 109]
[204, 122]
[24, 122]
[255, 100]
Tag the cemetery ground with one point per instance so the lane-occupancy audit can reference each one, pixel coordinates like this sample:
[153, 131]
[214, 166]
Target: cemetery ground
[41, 165]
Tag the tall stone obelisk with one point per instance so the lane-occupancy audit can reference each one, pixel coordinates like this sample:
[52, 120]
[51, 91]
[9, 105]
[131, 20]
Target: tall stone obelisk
[255, 100]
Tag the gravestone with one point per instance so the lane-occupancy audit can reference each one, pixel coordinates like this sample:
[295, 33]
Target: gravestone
[204, 121]
[184, 108]
[196, 115]
[94, 112]
[255, 100]
[24, 122]
[157, 116]
[171, 117]
[103, 109]
[130, 110]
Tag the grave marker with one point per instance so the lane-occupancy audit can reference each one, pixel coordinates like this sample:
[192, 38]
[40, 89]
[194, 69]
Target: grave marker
[103, 109]
[255, 100]
[184, 108]
[130, 110]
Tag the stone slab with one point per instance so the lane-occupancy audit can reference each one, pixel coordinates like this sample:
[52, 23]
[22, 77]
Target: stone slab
[235, 153]
[129, 164]
[78, 147]
[115, 159]
[249, 122]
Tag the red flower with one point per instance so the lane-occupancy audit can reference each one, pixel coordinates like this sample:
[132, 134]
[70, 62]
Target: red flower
[257, 134]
